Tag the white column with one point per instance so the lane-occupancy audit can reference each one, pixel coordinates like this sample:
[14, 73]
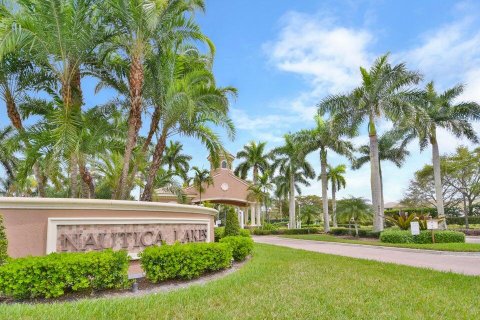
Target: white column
[245, 215]
[240, 213]
[254, 217]
[258, 210]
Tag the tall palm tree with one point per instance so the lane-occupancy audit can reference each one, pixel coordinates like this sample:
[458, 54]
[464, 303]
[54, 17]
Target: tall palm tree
[392, 146]
[290, 161]
[326, 136]
[137, 23]
[254, 158]
[282, 186]
[443, 111]
[59, 36]
[7, 152]
[386, 91]
[176, 161]
[337, 179]
[190, 105]
[261, 192]
[201, 179]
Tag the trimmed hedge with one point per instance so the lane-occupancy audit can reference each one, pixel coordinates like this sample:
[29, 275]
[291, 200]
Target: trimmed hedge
[241, 246]
[57, 273]
[351, 232]
[262, 232]
[425, 236]
[232, 226]
[220, 233]
[3, 242]
[461, 220]
[184, 261]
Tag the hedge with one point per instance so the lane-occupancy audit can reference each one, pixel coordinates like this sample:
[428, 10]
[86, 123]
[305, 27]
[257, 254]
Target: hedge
[241, 246]
[3, 242]
[350, 232]
[405, 236]
[262, 232]
[220, 233]
[184, 261]
[461, 220]
[57, 273]
[232, 226]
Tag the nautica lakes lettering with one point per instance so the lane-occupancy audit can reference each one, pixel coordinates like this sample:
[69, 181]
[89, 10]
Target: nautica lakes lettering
[85, 240]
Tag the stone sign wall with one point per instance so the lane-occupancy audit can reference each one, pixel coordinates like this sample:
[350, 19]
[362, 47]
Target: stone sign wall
[131, 237]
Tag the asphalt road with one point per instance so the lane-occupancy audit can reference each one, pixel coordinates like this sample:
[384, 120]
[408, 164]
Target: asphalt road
[458, 262]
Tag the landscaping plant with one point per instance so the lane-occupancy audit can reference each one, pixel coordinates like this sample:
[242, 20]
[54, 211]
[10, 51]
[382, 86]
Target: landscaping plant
[3, 242]
[241, 246]
[232, 226]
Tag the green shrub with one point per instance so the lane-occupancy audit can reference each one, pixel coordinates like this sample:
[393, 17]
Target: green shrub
[232, 227]
[262, 232]
[364, 233]
[443, 236]
[425, 236]
[245, 233]
[3, 242]
[219, 233]
[184, 261]
[461, 220]
[57, 273]
[396, 236]
[241, 246]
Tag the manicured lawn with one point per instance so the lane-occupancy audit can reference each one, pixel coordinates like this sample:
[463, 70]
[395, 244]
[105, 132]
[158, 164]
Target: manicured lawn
[283, 283]
[458, 247]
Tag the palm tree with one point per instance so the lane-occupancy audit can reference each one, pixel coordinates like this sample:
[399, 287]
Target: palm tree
[337, 178]
[58, 36]
[254, 158]
[176, 161]
[291, 162]
[261, 192]
[443, 111]
[137, 23]
[354, 210]
[190, 104]
[282, 186]
[7, 153]
[201, 178]
[326, 136]
[389, 149]
[386, 91]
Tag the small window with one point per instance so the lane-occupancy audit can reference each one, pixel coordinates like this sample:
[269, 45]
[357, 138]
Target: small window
[224, 164]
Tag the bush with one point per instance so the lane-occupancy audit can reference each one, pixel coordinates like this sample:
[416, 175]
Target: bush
[241, 246]
[232, 227]
[3, 242]
[396, 236]
[184, 261]
[220, 233]
[403, 236]
[262, 232]
[461, 220]
[364, 233]
[57, 273]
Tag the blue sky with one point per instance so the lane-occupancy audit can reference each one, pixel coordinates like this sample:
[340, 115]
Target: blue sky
[285, 56]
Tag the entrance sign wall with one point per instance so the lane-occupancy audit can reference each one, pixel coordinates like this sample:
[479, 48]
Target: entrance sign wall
[37, 226]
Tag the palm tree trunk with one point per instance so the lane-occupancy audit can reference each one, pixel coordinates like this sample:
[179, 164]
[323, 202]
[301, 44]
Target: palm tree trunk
[154, 166]
[375, 178]
[334, 204]
[134, 121]
[437, 176]
[291, 209]
[382, 201]
[73, 176]
[87, 180]
[17, 123]
[323, 175]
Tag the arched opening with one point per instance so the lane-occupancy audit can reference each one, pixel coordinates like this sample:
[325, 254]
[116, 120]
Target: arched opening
[224, 164]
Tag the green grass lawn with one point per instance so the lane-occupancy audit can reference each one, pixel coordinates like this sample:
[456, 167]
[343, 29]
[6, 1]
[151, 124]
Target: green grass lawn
[458, 247]
[283, 283]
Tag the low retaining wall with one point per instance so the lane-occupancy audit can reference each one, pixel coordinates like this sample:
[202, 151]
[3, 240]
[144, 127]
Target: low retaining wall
[38, 226]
